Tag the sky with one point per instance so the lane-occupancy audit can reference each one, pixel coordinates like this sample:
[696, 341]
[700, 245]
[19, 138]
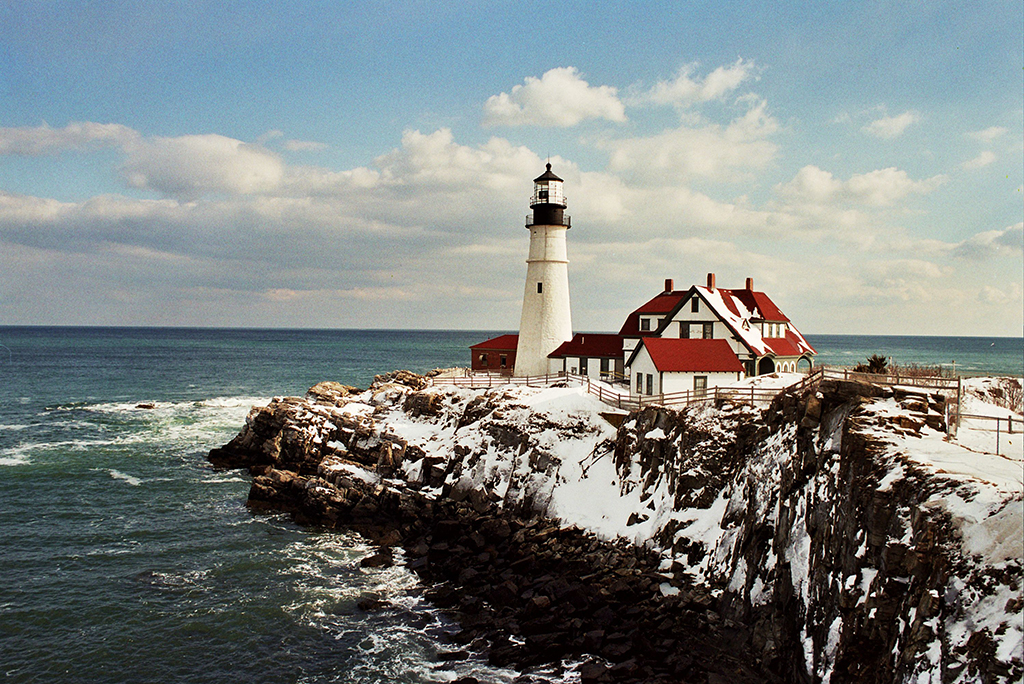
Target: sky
[369, 165]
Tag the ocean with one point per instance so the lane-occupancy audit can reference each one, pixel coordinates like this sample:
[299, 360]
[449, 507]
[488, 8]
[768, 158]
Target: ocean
[127, 558]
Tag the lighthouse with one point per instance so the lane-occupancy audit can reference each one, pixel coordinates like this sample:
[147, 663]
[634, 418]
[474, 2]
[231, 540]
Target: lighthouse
[546, 322]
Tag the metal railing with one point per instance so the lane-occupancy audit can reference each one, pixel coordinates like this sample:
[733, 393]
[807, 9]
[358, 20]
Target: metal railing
[566, 221]
[999, 420]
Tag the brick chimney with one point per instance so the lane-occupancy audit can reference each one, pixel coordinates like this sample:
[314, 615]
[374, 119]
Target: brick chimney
[711, 281]
[750, 284]
[668, 284]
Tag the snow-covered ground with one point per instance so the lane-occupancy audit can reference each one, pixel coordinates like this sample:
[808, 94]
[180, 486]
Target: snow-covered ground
[566, 468]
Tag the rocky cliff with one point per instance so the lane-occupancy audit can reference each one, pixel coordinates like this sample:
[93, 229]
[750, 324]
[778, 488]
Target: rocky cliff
[834, 536]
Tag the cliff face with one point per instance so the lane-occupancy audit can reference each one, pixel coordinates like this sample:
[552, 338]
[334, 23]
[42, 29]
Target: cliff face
[832, 537]
[850, 558]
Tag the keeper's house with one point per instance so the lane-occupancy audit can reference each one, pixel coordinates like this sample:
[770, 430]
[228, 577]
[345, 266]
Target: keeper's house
[659, 354]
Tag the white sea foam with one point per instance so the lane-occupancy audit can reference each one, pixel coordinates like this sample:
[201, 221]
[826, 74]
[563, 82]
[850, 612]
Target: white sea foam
[118, 475]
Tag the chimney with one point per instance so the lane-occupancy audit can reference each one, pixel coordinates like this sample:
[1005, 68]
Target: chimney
[750, 284]
[711, 281]
[668, 284]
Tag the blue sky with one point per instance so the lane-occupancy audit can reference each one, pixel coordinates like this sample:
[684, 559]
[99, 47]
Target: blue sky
[325, 164]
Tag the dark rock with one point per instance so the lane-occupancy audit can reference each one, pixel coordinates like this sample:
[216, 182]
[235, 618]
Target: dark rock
[382, 559]
[369, 604]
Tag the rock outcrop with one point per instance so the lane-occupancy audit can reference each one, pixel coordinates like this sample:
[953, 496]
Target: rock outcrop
[792, 544]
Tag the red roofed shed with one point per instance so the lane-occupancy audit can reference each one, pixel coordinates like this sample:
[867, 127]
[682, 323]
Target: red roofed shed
[496, 355]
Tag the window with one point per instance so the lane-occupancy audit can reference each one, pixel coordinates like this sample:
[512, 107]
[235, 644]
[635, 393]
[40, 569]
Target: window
[503, 360]
[483, 359]
[684, 331]
[639, 383]
[645, 324]
[583, 366]
[700, 385]
[540, 288]
[709, 331]
[650, 384]
[695, 305]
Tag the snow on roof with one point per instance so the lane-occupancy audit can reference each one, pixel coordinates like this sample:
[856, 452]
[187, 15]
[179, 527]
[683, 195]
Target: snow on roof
[590, 344]
[502, 342]
[743, 310]
[691, 355]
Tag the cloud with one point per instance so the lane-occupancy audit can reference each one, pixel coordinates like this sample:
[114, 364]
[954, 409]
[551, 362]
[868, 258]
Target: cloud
[41, 140]
[193, 165]
[304, 146]
[982, 160]
[1001, 297]
[684, 90]
[889, 127]
[713, 151]
[882, 187]
[988, 135]
[1008, 242]
[559, 98]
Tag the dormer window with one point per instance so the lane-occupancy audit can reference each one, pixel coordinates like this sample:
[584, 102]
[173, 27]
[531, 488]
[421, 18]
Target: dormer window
[645, 324]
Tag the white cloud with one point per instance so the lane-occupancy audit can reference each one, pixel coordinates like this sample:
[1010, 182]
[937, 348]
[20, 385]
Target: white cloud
[988, 135]
[1001, 297]
[559, 98]
[192, 165]
[40, 140]
[685, 90]
[886, 186]
[714, 152]
[889, 127]
[882, 187]
[304, 146]
[982, 160]
[992, 243]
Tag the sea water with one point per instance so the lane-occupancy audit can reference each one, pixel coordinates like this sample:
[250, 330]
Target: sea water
[126, 558]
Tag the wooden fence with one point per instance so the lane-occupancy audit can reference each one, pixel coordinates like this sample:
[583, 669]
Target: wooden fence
[622, 399]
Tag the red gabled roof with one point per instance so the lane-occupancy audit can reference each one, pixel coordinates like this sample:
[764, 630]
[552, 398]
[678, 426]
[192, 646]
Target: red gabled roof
[598, 345]
[661, 304]
[691, 355]
[502, 343]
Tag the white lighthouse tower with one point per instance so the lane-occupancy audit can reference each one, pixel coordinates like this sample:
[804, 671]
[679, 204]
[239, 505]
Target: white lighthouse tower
[546, 322]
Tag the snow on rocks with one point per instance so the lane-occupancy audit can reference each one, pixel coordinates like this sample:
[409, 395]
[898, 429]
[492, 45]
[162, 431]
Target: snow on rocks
[842, 528]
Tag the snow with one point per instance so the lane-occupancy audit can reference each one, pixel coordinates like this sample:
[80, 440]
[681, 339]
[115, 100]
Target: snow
[355, 471]
[566, 466]
[774, 381]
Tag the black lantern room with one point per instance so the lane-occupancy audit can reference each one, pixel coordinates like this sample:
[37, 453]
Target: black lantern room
[548, 201]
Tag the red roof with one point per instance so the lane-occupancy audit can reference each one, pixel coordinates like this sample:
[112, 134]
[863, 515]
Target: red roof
[663, 303]
[691, 355]
[502, 343]
[756, 302]
[790, 345]
[590, 344]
